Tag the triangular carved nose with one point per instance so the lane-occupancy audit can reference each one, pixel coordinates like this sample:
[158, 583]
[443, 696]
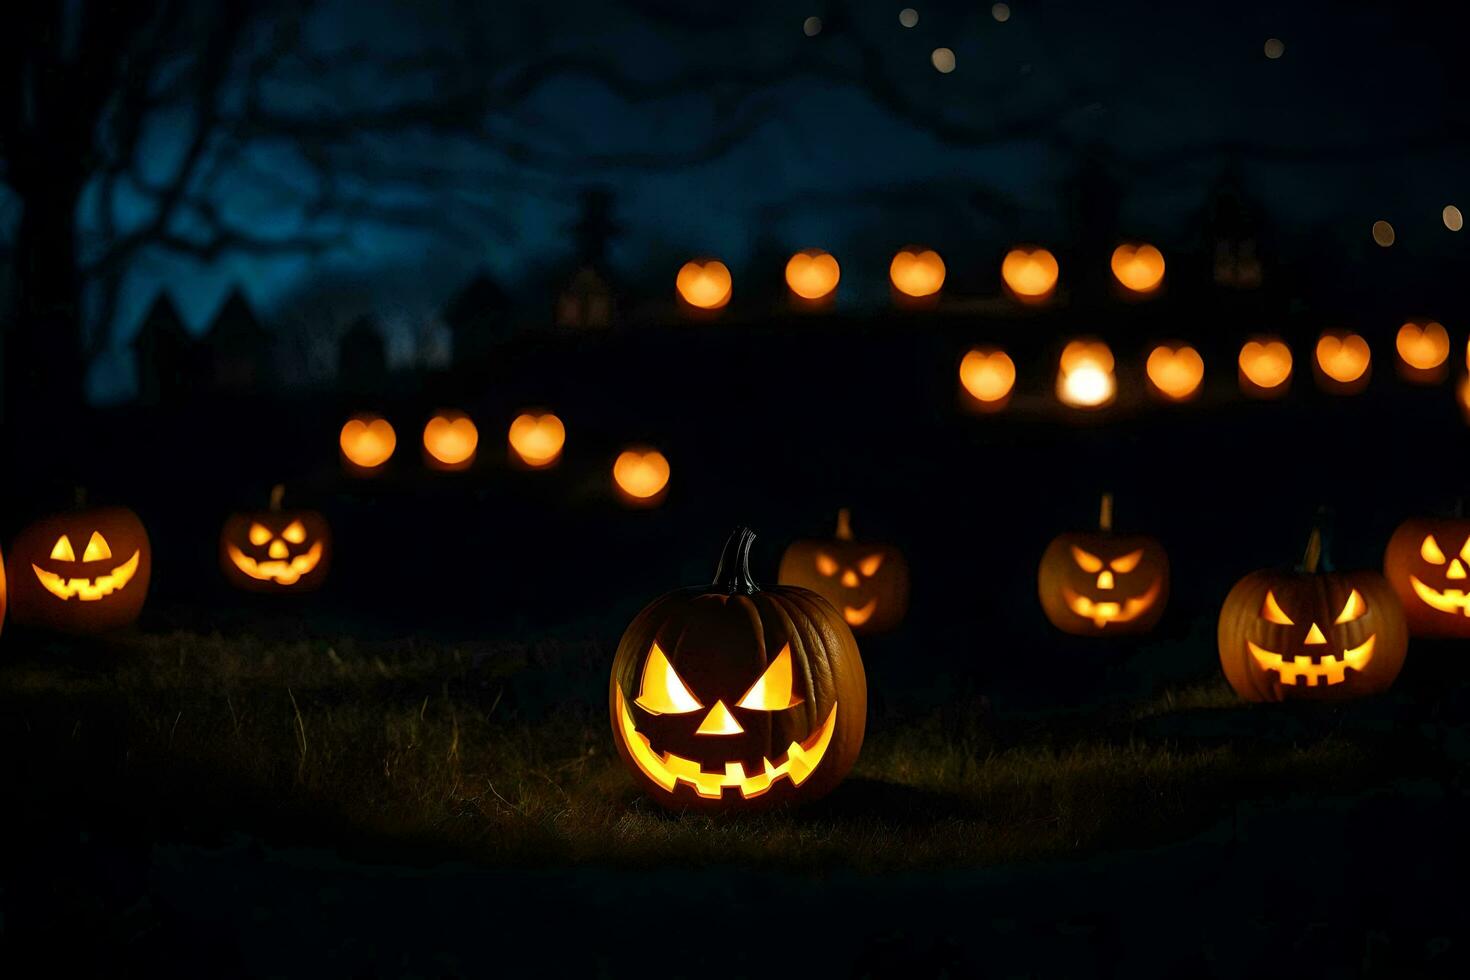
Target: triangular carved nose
[719, 721]
[1314, 636]
[1456, 569]
[277, 549]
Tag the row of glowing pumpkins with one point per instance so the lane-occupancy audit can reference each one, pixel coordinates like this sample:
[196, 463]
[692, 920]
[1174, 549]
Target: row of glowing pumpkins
[916, 273]
[451, 442]
[735, 697]
[1342, 364]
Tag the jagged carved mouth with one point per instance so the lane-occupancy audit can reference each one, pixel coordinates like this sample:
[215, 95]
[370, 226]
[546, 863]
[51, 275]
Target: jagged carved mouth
[88, 589]
[858, 615]
[1103, 613]
[668, 770]
[280, 571]
[1304, 670]
[1451, 601]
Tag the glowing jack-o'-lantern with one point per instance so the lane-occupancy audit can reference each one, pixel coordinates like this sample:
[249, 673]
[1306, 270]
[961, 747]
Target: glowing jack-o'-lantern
[367, 442]
[731, 697]
[81, 572]
[536, 439]
[450, 441]
[283, 551]
[1311, 632]
[987, 377]
[1138, 268]
[1424, 352]
[641, 476]
[1343, 362]
[1175, 371]
[1030, 274]
[917, 273]
[704, 285]
[1428, 564]
[868, 583]
[1085, 375]
[1101, 584]
[2, 591]
[812, 275]
[1265, 368]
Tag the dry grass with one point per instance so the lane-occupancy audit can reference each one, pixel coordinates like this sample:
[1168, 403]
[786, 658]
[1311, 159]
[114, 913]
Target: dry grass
[502, 755]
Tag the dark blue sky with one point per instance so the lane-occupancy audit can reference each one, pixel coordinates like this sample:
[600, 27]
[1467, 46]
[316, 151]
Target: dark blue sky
[1360, 119]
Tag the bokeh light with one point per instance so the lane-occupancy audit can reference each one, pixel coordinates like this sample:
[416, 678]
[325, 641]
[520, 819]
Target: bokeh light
[1001, 12]
[1453, 219]
[908, 17]
[943, 60]
[1275, 47]
[812, 26]
[1383, 233]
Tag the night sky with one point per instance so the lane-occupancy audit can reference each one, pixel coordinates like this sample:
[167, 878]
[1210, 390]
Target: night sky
[848, 139]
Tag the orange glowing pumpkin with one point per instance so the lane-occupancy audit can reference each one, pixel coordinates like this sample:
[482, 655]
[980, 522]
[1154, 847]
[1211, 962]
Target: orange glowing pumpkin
[1424, 352]
[1343, 362]
[705, 284]
[536, 439]
[1175, 371]
[1030, 273]
[917, 272]
[812, 275]
[367, 442]
[987, 377]
[450, 441]
[1138, 268]
[1265, 367]
[641, 477]
[1085, 375]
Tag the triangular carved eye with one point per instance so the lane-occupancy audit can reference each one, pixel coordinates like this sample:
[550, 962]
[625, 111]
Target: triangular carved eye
[869, 566]
[773, 691]
[1124, 564]
[1353, 609]
[1271, 611]
[61, 551]
[97, 549]
[826, 565]
[295, 532]
[1430, 551]
[661, 691]
[1086, 560]
[259, 534]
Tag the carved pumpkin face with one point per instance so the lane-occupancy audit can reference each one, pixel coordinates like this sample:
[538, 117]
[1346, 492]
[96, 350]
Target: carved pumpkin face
[279, 551]
[367, 442]
[83, 572]
[916, 273]
[1428, 564]
[1342, 362]
[732, 697]
[1424, 352]
[812, 275]
[704, 285]
[1138, 268]
[1101, 584]
[867, 583]
[1265, 368]
[1297, 634]
[450, 441]
[1030, 274]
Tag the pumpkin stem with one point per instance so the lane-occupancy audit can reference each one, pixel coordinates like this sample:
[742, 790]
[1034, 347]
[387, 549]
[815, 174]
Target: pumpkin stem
[1318, 555]
[1105, 513]
[733, 576]
[844, 525]
[278, 492]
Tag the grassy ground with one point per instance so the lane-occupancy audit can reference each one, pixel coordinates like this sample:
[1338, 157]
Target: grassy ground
[502, 755]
